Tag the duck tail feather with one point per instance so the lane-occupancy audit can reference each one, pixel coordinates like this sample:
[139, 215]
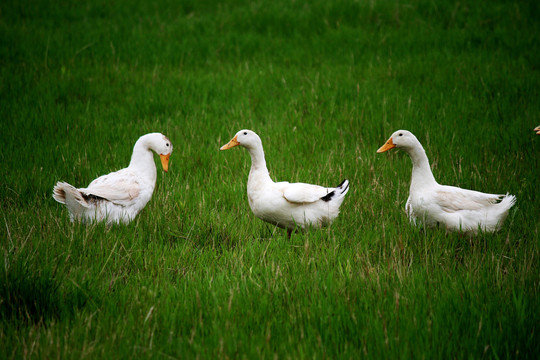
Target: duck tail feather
[342, 188]
[74, 200]
[507, 202]
[338, 193]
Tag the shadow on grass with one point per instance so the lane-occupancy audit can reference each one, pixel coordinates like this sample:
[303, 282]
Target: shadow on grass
[36, 297]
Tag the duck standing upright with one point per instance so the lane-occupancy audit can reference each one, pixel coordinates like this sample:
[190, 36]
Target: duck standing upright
[284, 204]
[457, 209]
[121, 195]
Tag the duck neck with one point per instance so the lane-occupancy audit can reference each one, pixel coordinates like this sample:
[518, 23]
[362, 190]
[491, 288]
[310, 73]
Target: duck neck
[258, 165]
[142, 160]
[421, 173]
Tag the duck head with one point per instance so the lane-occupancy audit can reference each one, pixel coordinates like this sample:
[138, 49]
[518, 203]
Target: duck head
[245, 138]
[401, 139]
[162, 146]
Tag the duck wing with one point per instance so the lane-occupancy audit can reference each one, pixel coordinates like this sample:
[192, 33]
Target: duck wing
[119, 187]
[452, 199]
[301, 193]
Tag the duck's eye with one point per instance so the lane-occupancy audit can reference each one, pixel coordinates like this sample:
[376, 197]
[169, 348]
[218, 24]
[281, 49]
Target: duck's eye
[167, 144]
[400, 134]
[245, 132]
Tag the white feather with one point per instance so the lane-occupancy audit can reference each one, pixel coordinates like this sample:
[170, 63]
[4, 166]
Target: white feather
[456, 208]
[287, 205]
[302, 193]
[121, 195]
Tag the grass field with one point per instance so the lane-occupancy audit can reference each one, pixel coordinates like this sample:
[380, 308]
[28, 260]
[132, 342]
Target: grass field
[324, 83]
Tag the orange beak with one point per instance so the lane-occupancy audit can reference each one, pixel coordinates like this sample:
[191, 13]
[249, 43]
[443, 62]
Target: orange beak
[389, 145]
[165, 161]
[234, 142]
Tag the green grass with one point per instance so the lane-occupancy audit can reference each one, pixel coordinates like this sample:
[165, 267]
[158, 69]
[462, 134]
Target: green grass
[324, 83]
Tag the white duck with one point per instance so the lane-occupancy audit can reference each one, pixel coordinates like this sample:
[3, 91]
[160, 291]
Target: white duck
[121, 195]
[284, 204]
[456, 208]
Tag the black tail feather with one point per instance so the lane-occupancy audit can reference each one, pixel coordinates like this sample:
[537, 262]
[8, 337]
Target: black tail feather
[331, 194]
[328, 196]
